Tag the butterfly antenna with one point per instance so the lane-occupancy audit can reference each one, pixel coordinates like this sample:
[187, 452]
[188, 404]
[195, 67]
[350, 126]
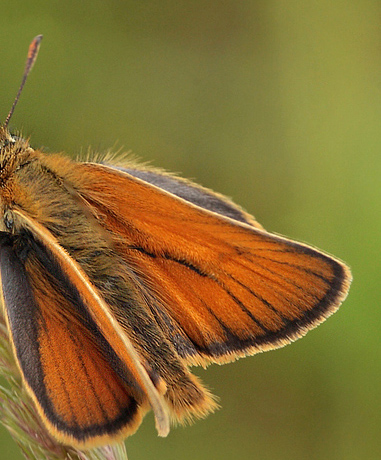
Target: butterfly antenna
[31, 59]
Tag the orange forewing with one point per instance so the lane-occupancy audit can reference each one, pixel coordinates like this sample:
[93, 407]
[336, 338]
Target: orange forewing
[87, 383]
[225, 288]
[105, 402]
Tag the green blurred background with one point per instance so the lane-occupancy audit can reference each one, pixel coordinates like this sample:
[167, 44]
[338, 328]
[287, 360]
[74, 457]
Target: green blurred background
[276, 104]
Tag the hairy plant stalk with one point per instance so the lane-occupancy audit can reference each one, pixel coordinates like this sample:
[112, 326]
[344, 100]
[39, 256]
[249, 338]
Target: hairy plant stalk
[18, 414]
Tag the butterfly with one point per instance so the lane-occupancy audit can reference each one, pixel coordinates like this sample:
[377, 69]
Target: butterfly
[117, 278]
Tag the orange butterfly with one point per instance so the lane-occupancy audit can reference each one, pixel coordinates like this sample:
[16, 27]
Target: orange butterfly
[116, 279]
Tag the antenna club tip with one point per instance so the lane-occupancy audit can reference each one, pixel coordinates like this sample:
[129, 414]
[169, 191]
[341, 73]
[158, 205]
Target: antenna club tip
[33, 49]
[31, 59]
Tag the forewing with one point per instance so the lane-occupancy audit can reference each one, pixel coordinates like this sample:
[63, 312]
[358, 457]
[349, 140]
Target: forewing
[83, 391]
[223, 288]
